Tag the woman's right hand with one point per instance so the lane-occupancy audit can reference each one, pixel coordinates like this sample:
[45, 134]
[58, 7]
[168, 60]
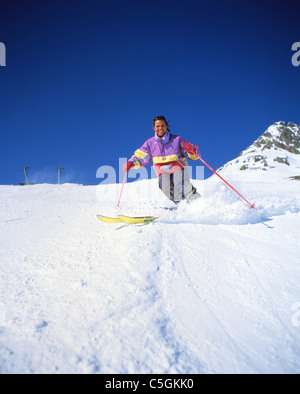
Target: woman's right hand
[127, 166]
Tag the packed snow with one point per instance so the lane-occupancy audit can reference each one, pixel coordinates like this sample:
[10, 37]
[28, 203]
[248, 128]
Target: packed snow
[209, 287]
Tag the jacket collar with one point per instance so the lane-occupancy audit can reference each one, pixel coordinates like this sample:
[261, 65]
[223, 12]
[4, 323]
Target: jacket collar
[165, 139]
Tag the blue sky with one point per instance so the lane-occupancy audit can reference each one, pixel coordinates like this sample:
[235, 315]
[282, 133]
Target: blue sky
[84, 79]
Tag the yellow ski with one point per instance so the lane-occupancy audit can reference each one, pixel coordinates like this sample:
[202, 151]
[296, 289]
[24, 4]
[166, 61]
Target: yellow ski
[127, 219]
[109, 220]
[135, 220]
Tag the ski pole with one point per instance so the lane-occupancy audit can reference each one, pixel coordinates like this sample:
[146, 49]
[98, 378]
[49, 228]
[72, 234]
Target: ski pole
[251, 205]
[121, 190]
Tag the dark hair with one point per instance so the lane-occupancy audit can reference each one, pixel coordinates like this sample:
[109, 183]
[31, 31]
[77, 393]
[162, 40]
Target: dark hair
[161, 117]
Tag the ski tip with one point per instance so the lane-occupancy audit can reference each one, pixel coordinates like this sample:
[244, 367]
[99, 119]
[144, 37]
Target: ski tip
[252, 206]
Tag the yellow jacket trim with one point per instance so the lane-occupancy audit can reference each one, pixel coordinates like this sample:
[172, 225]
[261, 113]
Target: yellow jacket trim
[139, 154]
[192, 157]
[185, 161]
[165, 159]
[137, 165]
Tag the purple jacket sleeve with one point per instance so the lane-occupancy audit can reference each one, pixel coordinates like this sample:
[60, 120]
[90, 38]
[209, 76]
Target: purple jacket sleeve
[141, 156]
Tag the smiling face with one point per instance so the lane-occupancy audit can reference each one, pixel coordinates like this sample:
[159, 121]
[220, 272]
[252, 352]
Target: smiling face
[160, 127]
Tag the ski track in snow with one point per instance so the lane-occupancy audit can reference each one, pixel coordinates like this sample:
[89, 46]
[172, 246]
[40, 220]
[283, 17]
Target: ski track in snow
[207, 288]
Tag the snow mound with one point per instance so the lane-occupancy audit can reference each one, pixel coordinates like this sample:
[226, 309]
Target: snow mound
[224, 207]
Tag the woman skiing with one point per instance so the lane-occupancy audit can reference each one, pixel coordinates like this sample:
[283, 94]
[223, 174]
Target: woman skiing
[169, 153]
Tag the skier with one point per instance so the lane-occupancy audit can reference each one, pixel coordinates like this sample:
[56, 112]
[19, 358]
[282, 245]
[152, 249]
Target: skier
[169, 153]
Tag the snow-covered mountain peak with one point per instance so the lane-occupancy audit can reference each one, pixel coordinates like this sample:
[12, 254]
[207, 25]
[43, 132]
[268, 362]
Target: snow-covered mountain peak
[276, 152]
[280, 136]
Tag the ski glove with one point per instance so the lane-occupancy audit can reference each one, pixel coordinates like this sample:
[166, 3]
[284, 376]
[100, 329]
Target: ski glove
[127, 166]
[190, 148]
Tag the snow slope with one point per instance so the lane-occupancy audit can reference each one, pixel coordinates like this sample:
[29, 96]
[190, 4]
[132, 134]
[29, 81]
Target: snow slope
[212, 287]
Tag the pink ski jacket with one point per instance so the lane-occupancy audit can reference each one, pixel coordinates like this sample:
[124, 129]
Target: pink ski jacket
[166, 153]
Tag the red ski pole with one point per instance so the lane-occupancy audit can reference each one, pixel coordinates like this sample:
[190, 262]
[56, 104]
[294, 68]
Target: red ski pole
[121, 190]
[251, 205]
